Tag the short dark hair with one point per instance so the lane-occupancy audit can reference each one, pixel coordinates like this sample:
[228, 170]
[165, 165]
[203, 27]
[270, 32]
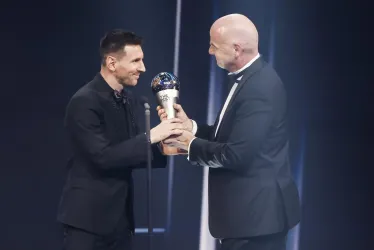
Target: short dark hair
[115, 40]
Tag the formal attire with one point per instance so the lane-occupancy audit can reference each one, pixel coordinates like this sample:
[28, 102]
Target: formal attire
[96, 207]
[253, 200]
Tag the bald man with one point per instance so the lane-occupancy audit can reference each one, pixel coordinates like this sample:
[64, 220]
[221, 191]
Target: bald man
[253, 201]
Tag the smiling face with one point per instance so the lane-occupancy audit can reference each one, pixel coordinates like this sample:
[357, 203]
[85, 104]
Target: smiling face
[233, 41]
[129, 66]
[121, 58]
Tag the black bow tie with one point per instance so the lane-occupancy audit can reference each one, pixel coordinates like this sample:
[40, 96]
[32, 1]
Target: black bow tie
[234, 78]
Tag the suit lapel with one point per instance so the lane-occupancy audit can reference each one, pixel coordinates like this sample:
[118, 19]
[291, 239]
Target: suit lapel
[255, 66]
[116, 117]
[216, 122]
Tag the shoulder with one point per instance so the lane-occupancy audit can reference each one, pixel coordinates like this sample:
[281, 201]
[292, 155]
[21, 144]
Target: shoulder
[85, 98]
[265, 82]
[266, 77]
[264, 86]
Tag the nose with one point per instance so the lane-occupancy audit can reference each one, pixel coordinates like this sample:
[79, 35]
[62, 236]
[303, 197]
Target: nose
[142, 67]
[210, 51]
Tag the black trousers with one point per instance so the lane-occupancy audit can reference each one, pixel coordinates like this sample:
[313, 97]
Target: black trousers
[78, 239]
[266, 242]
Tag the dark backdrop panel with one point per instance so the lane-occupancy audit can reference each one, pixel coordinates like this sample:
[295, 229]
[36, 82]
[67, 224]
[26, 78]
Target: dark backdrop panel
[194, 76]
[326, 54]
[49, 50]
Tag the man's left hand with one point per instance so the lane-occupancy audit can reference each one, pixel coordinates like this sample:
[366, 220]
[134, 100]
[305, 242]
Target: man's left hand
[182, 141]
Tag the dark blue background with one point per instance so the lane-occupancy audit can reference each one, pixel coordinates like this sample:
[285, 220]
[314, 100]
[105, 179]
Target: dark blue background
[50, 49]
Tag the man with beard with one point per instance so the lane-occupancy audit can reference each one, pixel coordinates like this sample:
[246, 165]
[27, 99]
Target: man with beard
[96, 207]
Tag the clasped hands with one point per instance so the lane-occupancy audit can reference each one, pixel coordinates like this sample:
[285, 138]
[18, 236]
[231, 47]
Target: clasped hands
[180, 141]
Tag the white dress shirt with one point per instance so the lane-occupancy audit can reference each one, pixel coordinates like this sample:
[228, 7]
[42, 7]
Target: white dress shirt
[233, 88]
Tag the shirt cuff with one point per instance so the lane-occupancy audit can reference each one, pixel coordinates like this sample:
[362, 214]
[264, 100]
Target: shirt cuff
[189, 145]
[194, 128]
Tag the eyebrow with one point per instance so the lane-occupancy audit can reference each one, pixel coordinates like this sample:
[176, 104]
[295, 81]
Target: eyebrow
[137, 59]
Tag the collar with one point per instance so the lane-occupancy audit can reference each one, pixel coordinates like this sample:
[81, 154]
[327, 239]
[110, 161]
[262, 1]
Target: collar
[244, 67]
[101, 85]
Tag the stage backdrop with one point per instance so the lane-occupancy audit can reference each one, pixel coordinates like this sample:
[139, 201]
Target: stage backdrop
[50, 49]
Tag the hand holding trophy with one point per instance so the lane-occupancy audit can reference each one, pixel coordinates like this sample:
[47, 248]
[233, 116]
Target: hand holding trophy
[166, 86]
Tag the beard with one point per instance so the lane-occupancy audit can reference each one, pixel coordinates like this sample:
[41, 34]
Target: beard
[123, 80]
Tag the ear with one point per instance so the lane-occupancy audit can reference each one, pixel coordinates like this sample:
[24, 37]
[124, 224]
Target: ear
[111, 63]
[237, 50]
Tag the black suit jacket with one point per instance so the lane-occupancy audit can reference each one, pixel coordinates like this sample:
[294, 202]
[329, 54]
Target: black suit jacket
[107, 146]
[251, 191]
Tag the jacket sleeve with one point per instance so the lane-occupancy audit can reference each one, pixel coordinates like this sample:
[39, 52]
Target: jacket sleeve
[204, 131]
[158, 159]
[252, 121]
[84, 123]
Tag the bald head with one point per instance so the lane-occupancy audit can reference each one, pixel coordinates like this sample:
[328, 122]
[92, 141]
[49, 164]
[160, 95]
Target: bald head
[237, 29]
[237, 35]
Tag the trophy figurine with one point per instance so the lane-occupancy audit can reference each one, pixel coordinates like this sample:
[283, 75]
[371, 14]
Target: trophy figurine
[165, 86]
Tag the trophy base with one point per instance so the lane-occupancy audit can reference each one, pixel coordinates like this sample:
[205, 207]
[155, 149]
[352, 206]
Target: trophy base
[167, 150]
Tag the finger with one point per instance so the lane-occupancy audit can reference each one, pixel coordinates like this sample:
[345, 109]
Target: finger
[178, 126]
[163, 117]
[161, 111]
[175, 120]
[178, 107]
[182, 151]
[158, 108]
[169, 141]
[176, 131]
[174, 134]
[172, 145]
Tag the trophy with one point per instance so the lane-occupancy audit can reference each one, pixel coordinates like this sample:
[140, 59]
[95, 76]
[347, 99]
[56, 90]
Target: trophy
[165, 86]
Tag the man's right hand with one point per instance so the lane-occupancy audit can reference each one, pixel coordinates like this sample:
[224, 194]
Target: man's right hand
[165, 129]
[187, 123]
